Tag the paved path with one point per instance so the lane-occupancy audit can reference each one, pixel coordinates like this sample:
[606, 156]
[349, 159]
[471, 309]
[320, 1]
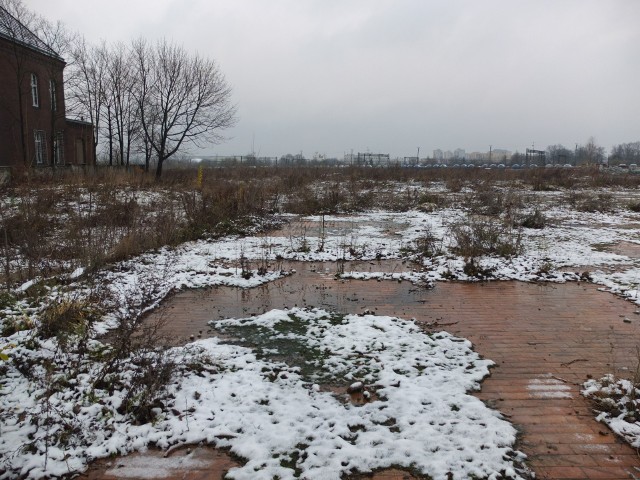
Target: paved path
[546, 340]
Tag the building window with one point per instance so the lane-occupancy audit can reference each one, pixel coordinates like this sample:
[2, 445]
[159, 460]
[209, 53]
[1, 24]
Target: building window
[41, 150]
[52, 92]
[34, 90]
[58, 149]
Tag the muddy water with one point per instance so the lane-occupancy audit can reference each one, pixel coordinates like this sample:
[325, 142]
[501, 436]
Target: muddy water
[183, 463]
[313, 284]
[629, 249]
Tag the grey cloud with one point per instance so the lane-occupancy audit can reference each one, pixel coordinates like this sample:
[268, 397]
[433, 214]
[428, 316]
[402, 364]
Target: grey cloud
[329, 75]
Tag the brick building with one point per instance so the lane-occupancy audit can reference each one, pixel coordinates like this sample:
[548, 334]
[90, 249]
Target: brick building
[34, 131]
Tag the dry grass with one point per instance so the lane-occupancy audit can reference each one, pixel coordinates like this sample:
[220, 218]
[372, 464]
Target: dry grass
[52, 222]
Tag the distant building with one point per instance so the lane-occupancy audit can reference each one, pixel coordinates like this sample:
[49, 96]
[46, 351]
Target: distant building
[372, 159]
[33, 127]
[499, 155]
[459, 154]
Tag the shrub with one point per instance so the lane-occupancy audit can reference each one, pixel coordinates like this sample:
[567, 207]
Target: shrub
[535, 219]
[454, 184]
[429, 202]
[488, 200]
[152, 373]
[485, 201]
[477, 237]
[591, 202]
[67, 319]
[472, 269]
[427, 245]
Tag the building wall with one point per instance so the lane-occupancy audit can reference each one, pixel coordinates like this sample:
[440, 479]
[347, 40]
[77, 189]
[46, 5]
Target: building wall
[79, 143]
[17, 64]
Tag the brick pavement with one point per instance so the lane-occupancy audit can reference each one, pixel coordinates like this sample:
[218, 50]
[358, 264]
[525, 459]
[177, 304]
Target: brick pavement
[546, 340]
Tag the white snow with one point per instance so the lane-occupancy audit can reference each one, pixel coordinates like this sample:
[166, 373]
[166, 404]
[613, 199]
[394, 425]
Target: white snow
[143, 467]
[617, 402]
[269, 414]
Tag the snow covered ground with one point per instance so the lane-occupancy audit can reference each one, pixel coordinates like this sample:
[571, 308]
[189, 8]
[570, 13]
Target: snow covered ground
[571, 244]
[276, 417]
[272, 414]
[618, 404]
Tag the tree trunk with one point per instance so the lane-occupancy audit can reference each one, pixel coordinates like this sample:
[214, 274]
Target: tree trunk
[159, 168]
[23, 133]
[110, 130]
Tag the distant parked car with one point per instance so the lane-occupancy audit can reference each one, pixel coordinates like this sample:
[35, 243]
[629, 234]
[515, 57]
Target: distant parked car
[501, 165]
[515, 166]
[633, 167]
[567, 165]
[622, 165]
[549, 165]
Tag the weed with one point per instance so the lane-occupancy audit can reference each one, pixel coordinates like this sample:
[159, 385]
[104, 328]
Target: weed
[65, 319]
[12, 325]
[6, 300]
[535, 219]
[591, 202]
[473, 269]
[475, 236]
[426, 245]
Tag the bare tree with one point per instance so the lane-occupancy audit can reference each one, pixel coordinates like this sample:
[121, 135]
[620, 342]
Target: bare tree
[559, 154]
[86, 87]
[591, 153]
[121, 83]
[19, 11]
[626, 153]
[181, 98]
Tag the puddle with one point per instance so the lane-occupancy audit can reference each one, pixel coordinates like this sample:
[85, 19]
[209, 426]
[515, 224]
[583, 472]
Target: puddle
[392, 474]
[185, 315]
[188, 462]
[628, 249]
[567, 329]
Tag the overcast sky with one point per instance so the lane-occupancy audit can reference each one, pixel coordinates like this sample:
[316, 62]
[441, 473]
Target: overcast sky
[390, 76]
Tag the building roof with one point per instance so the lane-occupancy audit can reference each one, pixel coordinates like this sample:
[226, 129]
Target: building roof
[80, 122]
[14, 30]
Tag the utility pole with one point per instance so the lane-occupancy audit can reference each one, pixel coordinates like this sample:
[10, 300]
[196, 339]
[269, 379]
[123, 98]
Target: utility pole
[490, 151]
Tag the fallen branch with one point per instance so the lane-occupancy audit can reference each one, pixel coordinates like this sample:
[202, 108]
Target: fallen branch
[574, 361]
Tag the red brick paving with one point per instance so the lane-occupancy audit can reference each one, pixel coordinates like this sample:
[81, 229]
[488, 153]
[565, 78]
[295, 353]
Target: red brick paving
[199, 463]
[546, 339]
